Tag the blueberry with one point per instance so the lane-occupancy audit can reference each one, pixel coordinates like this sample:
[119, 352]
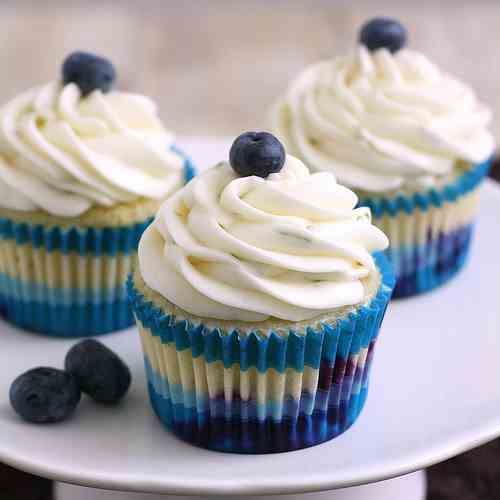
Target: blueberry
[89, 72]
[383, 32]
[98, 371]
[44, 395]
[257, 153]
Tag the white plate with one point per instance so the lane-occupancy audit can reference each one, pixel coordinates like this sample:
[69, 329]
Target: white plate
[434, 393]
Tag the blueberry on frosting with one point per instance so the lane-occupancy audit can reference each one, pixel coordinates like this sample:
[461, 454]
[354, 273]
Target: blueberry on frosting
[383, 32]
[89, 72]
[257, 153]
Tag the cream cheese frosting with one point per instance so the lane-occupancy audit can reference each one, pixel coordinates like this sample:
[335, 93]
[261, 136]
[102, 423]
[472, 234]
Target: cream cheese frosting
[63, 153]
[383, 122]
[291, 246]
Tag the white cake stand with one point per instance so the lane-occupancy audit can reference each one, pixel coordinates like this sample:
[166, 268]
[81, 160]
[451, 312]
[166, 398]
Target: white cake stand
[434, 393]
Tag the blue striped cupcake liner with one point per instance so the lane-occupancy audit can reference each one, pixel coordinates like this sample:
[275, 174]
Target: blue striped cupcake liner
[426, 267]
[425, 249]
[189, 168]
[69, 282]
[249, 392]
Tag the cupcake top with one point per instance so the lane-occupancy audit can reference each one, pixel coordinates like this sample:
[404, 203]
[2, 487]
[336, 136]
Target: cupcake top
[383, 118]
[72, 144]
[263, 239]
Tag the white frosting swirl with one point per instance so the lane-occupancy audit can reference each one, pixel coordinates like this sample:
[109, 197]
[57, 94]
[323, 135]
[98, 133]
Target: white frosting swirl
[62, 153]
[291, 246]
[383, 121]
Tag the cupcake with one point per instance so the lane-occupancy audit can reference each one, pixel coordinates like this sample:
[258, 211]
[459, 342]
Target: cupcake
[411, 141]
[83, 170]
[259, 294]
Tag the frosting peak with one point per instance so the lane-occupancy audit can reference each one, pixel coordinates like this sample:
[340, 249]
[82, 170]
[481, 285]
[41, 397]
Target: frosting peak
[382, 121]
[291, 246]
[63, 153]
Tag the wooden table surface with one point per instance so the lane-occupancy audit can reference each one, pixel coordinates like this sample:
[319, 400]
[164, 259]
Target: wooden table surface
[216, 67]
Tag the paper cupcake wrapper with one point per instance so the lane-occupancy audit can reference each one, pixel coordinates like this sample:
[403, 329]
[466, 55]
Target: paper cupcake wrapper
[429, 233]
[255, 393]
[69, 282]
[189, 168]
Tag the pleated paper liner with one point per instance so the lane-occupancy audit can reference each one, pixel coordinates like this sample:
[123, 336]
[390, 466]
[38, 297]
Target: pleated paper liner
[68, 282]
[430, 232]
[256, 393]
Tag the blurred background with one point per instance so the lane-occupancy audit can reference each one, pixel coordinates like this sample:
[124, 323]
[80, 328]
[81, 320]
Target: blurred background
[215, 67]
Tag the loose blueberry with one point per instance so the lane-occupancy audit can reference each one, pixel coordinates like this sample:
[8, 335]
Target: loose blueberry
[383, 32]
[98, 371]
[257, 153]
[89, 72]
[44, 395]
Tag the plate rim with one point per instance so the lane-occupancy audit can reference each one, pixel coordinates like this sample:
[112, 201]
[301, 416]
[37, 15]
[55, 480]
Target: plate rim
[276, 484]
